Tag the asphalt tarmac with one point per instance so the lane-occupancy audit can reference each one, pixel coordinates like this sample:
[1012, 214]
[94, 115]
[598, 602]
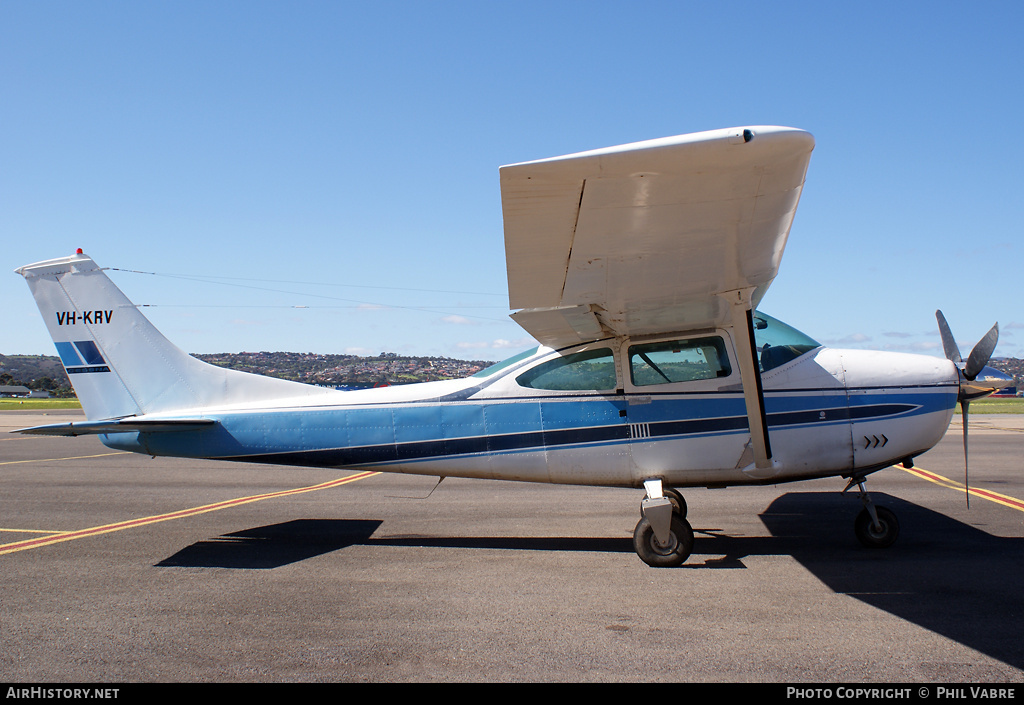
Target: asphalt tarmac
[122, 568]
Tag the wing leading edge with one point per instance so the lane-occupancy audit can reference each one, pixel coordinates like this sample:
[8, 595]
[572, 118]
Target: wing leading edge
[650, 237]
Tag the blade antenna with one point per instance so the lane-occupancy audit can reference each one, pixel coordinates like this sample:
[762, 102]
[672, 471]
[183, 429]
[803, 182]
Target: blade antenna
[440, 479]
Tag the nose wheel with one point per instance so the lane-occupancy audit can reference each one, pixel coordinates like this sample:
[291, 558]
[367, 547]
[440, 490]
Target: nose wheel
[878, 532]
[875, 527]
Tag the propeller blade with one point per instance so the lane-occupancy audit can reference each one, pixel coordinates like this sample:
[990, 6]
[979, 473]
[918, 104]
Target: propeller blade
[981, 353]
[967, 488]
[976, 362]
[948, 343]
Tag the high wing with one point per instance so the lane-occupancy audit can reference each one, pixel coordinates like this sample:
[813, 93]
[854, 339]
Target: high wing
[659, 236]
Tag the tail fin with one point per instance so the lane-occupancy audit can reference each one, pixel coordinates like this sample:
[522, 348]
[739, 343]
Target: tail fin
[119, 363]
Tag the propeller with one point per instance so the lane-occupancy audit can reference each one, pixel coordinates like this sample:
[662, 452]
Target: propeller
[969, 372]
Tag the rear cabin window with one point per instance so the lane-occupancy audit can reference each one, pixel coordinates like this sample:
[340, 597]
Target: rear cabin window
[673, 361]
[499, 366]
[590, 370]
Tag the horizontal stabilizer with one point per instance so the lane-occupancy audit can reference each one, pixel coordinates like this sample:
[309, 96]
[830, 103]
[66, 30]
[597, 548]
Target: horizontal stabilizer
[83, 428]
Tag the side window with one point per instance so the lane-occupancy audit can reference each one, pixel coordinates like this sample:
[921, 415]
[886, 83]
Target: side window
[582, 371]
[678, 361]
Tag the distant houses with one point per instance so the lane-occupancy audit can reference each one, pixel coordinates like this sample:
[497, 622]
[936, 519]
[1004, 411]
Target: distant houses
[343, 371]
[20, 392]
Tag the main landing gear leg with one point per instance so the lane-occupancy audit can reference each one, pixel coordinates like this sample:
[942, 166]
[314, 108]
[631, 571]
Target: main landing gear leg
[663, 538]
[876, 527]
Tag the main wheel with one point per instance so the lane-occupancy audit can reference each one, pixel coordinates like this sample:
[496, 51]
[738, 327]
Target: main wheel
[881, 536]
[673, 553]
[678, 503]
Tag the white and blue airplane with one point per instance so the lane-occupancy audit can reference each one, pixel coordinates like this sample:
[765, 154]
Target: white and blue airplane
[638, 269]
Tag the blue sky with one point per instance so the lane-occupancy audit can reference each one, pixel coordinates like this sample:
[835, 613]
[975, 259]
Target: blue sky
[257, 157]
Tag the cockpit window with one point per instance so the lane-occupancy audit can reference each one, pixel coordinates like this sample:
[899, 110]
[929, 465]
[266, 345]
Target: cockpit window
[678, 361]
[499, 366]
[590, 370]
[778, 343]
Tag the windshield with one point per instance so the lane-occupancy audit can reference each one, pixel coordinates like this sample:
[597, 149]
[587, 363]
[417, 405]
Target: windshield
[778, 343]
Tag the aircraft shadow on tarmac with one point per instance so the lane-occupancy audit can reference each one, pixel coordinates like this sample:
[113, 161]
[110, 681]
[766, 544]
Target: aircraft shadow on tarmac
[942, 575]
[275, 545]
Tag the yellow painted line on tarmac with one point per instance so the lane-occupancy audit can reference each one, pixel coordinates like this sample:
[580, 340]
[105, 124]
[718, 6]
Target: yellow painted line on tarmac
[50, 460]
[131, 523]
[1005, 500]
[975, 427]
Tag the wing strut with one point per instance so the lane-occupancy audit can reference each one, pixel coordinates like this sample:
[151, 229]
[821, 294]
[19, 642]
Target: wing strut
[753, 394]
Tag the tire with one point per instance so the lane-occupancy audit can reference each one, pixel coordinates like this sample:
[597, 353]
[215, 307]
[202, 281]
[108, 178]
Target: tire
[872, 537]
[678, 503]
[674, 554]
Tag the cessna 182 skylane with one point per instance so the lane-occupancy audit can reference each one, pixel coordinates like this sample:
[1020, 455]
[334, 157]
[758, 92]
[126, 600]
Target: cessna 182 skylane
[638, 269]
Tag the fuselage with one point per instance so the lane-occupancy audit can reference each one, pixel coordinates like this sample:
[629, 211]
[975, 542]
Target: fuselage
[612, 412]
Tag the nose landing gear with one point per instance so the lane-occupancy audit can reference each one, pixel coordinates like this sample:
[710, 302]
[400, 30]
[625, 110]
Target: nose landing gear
[875, 527]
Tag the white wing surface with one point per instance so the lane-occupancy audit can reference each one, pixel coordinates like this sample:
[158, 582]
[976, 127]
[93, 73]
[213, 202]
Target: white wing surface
[646, 237]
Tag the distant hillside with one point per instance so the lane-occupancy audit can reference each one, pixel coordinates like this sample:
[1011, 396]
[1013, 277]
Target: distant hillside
[348, 370]
[46, 372]
[1012, 366]
[42, 372]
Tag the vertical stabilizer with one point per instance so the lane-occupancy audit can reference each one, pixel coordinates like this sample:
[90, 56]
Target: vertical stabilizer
[119, 363]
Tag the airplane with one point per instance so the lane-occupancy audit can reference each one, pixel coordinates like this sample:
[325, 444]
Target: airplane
[638, 269]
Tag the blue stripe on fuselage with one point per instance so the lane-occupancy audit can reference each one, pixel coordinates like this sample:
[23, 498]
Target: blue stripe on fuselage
[361, 435]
